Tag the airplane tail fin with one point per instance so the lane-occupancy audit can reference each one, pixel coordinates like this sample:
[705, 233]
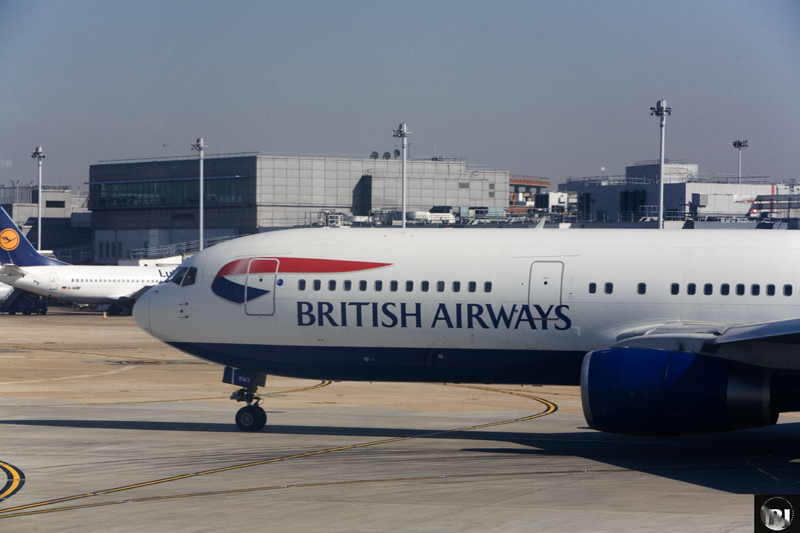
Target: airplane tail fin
[16, 249]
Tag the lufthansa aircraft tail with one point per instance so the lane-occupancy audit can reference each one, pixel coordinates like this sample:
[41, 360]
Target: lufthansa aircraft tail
[16, 249]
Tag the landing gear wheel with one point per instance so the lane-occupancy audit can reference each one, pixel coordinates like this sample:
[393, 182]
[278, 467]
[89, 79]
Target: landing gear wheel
[251, 418]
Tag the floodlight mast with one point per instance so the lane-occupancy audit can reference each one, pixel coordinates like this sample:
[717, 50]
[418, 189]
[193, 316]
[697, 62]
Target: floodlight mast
[39, 155]
[402, 132]
[661, 110]
[739, 145]
[199, 146]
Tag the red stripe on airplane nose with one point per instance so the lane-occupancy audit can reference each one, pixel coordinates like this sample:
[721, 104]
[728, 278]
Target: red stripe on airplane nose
[296, 265]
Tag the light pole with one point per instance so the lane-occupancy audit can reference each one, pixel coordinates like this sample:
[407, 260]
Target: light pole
[199, 146]
[402, 132]
[739, 145]
[661, 110]
[39, 155]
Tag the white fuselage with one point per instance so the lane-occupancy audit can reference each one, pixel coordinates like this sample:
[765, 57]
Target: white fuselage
[88, 284]
[551, 292]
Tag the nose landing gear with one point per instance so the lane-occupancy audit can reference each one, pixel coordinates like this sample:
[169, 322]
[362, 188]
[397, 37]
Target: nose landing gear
[251, 417]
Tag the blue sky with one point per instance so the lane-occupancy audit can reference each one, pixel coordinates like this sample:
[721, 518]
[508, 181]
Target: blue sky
[542, 88]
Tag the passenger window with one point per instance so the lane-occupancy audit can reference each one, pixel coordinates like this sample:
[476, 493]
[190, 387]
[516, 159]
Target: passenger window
[487, 286]
[472, 286]
[456, 286]
[691, 289]
[739, 289]
[347, 285]
[317, 284]
[177, 276]
[362, 285]
[724, 289]
[378, 286]
[787, 290]
[424, 286]
[301, 285]
[609, 288]
[755, 289]
[409, 286]
[190, 277]
[708, 289]
[641, 288]
[440, 286]
[592, 288]
[393, 286]
[332, 285]
[674, 289]
[770, 290]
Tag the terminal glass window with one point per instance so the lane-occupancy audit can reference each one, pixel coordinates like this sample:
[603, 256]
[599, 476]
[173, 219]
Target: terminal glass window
[224, 190]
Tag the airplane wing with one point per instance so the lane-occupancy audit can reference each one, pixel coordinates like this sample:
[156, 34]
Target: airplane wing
[135, 295]
[773, 344]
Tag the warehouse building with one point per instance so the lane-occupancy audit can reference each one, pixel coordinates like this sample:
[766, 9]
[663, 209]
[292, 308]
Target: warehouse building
[688, 194]
[142, 204]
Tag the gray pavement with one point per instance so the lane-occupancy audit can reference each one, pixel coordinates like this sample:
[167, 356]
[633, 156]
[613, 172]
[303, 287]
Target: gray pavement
[545, 474]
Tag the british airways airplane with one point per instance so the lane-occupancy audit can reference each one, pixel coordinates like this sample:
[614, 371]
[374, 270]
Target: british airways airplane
[21, 266]
[666, 332]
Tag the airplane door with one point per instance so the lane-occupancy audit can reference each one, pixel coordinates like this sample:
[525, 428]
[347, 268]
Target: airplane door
[544, 286]
[259, 292]
[53, 281]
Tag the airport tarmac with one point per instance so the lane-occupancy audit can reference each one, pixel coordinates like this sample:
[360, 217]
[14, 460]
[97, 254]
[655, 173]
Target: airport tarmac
[104, 428]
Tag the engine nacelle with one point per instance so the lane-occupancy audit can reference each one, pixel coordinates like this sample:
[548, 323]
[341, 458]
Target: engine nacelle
[659, 392]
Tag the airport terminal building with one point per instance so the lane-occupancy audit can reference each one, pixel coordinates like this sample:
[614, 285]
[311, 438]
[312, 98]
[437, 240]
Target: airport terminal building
[150, 203]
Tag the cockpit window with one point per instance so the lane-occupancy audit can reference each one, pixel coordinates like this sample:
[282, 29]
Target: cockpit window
[190, 277]
[177, 275]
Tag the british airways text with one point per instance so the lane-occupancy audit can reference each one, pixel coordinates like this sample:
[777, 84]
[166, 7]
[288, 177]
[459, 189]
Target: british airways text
[410, 315]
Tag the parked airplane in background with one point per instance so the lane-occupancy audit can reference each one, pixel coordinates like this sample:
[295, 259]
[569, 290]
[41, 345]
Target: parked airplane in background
[24, 268]
[667, 332]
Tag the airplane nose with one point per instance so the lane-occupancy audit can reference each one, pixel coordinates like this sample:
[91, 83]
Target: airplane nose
[141, 311]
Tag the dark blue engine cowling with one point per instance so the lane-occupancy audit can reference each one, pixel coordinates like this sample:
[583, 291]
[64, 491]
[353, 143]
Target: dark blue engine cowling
[659, 392]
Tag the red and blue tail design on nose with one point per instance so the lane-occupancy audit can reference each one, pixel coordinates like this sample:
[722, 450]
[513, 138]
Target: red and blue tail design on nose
[230, 283]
